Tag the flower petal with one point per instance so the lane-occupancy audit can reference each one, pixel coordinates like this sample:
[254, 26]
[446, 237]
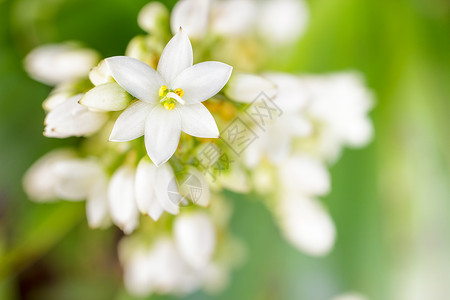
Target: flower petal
[131, 123]
[202, 81]
[145, 189]
[196, 120]
[166, 189]
[162, 134]
[176, 57]
[136, 77]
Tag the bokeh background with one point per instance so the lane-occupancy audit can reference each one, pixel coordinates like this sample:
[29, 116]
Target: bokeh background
[390, 201]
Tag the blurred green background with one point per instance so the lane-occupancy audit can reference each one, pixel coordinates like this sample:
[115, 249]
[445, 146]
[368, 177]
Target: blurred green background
[390, 201]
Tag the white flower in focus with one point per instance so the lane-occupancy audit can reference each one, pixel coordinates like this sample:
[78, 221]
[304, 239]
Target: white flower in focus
[100, 74]
[169, 98]
[195, 238]
[306, 224]
[192, 16]
[341, 103]
[156, 189]
[282, 21]
[73, 119]
[55, 63]
[121, 197]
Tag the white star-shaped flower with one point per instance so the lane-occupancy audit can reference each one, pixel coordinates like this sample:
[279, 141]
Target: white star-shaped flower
[169, 99]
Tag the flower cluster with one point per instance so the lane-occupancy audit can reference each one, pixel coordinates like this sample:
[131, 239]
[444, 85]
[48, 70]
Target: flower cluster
[150, 160]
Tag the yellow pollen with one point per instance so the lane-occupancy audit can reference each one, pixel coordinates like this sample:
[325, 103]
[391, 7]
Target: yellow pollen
[169, 106]
[162, 91]
[179, 92]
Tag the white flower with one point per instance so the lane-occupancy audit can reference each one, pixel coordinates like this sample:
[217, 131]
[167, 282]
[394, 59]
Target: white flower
[156, 189]
[192, 16]
[55, 63]
[233, 18]
[245, 88]
[73, 119]
[60, 174]
[340, 103]
[169, 98]
[97, 207]
[121, 197]
[153, 17]
[282, 21]
[306, 224]
[195, 238]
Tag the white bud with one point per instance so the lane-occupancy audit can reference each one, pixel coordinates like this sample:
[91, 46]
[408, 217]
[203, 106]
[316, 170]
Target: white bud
[100, 74]
[153, 17]
[233, 18]
[56, 63]
[73, 119]
[282, 21]
[106, 97]
[306, 224]
[121, 197]
[97, 209]
[192, 16]
[195, 238]
[246, 88]
[145, 186]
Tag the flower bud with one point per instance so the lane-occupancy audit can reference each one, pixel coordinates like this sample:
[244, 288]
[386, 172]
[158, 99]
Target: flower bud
[106, 97]
[145, 186]
[121, 197]
[154, 17]
[97, 209]
[145, 48]
[192, 16]
[245, 88]
[195, 238]
[56, 63]
[73, 119]
[100, 74]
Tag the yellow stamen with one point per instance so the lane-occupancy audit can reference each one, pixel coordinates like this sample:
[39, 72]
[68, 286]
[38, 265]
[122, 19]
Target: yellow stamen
[169, 106]
[179, 92]
[162, 91]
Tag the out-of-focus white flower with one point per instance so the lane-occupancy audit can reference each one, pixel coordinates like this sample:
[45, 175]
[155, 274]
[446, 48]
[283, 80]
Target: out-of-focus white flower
[121, 197]
[106, 97]
[100, 74]
[73, 119]
[350, 296]
[156, 189]
[153, 17]
[304, 174]
[169, 99]
[159, 269]
[233, 18]
[192, 16]
[306, 224]
[195, 238]
[97, 208]
[56, 63]
[60, 94]
[282, 21]
[194, 187]
[246, 88]
[60, 174]
[340, 103]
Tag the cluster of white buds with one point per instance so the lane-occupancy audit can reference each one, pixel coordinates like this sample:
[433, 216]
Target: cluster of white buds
[151, 160]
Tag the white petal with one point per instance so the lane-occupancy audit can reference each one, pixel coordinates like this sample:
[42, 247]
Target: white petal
[145, 189]
[100, 74]
[136, 77]
[176, 56]
[233, 18]
[246, 88]
[106, 97]
[162, 134]
[292, 92]
[202, 81]
[196, 120]
[131, 123]
[121, 199]
[192, 16]
[167, 190]
[307, 225]
[306, 175]
[195, 238]
[97, 209]
[153, 16]
[73, 119]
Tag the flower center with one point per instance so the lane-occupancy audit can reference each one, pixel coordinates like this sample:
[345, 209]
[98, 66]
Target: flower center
[170, 97]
